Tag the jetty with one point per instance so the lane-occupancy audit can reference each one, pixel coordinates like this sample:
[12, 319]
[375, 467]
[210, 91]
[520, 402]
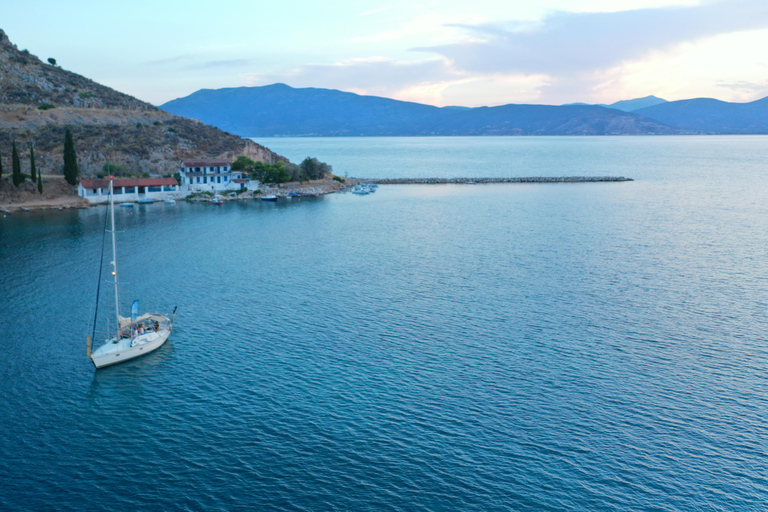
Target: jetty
[461, 181]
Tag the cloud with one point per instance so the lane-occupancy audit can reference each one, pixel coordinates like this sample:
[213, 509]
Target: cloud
[191, 62]
[745, 90]
[376, 11]
[230, 63]
[169, 60]
[566, 43]
[596, 57]
[373, 75]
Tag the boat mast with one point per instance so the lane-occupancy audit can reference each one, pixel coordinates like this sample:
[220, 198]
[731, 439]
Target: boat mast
[114, 252]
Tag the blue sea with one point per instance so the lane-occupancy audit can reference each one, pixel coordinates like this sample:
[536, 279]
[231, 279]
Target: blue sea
[584, 346]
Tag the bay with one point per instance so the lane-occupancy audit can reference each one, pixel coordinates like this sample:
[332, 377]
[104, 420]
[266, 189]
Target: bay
[454, 347]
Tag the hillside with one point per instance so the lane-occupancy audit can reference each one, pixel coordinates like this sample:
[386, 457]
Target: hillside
[280, 110]
[706, 115]
[107, 125]
[637, 103]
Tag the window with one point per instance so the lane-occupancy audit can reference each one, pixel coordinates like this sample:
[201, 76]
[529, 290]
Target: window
[94, 192]
[118, 190]
[198, 179]
[154, 189]
[226, 179]
[130, 190]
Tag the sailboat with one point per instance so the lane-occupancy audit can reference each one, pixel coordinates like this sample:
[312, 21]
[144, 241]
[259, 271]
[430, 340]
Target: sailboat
[136, 335]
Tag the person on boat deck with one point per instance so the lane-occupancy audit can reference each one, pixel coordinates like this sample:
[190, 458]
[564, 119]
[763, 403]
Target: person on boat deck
[141, 329]
[134, 332]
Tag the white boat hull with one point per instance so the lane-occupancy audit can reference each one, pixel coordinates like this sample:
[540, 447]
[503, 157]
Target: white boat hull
[113, 353]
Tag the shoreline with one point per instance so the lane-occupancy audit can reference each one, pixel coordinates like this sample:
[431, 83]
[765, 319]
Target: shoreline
[308, 189]
[311, 189]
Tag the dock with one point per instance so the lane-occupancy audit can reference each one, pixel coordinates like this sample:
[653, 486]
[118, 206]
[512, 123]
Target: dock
[468, 181]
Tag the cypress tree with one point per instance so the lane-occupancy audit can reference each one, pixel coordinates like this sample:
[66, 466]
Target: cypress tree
[17, 179]
[70, 159]
[40, 185]
[33, 169]
[1, 165]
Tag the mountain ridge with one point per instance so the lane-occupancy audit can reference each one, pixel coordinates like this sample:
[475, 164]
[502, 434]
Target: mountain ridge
[281, 110]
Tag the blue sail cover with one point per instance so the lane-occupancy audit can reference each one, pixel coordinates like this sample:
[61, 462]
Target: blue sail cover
[134, 310]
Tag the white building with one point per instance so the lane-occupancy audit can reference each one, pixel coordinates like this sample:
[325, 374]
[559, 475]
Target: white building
[128, 189]
[212, 175]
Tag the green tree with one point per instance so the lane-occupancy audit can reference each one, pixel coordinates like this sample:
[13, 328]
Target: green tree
[259, 171]
[17, 178]
[33, 169]
[40, 185]
[52, 61]
[314, 169]
[1, 165]
[70, 159]
[277, 173]
[243, 163]
[295, 171]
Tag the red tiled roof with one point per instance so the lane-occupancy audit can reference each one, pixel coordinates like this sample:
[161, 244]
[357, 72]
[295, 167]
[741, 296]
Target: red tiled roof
[205, 163]
[129, 182]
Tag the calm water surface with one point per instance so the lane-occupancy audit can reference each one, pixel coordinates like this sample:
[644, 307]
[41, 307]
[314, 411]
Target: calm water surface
[456, 347]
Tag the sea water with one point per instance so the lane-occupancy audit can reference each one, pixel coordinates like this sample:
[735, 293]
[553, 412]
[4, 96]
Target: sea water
[594, 346]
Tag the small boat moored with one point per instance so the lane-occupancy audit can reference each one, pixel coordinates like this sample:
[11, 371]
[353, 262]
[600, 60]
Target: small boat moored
[269, 198]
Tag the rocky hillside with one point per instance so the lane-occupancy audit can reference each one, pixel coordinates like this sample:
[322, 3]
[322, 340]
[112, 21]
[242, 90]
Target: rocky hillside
[38, 101]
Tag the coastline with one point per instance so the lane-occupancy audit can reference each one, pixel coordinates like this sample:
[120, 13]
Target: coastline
[313, 189]
[69, 201]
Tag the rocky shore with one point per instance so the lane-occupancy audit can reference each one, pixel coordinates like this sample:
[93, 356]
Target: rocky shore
[308, 189]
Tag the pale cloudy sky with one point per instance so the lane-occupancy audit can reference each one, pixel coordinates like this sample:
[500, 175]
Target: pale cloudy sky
[452, 52]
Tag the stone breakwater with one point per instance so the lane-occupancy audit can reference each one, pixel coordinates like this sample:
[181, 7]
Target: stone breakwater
[533, 179]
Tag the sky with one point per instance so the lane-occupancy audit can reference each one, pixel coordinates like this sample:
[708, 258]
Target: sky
[452, 52]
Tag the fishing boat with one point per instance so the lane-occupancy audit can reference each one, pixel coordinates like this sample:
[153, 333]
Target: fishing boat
[170, 201]
[144, 201]
[269, 198]
[126, 205]
[136, 335]
[361, 191]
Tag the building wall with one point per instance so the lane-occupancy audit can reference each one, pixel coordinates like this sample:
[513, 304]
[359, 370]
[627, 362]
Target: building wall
[126, 196]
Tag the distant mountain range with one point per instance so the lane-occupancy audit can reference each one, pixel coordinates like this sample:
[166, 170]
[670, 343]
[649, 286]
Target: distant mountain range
[630, 105]
[280, 110]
